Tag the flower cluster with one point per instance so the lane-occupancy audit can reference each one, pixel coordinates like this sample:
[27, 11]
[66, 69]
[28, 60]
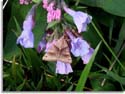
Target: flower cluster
[54, 13]
[59, 46]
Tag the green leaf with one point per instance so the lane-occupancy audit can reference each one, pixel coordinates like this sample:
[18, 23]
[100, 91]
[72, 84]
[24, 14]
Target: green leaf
[121, 38]
[39, 85]
[40, 25]
[20, 87]
[51, 24]
[17, 26]
[106, 44]
[115, 7]
[91, 36]
[18, 12]
[116, 77]
[37, 1]
[11, 47]
[70, 88]
[96, 80]
[5, 75]
[85, 72]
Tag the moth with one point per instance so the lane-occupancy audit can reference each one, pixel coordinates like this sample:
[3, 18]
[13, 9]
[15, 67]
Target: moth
[59, 51]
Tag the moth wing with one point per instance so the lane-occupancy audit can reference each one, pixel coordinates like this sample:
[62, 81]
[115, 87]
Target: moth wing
[61, 43]
[51, 55]
[65, 56]
[65, 59]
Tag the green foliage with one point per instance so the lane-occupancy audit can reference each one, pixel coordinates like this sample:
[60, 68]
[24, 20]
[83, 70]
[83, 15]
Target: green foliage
[112, 6]
[85, 72]
[24, 69]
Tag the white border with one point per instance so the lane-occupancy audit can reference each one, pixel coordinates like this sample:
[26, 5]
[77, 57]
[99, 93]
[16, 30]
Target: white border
[1, 45]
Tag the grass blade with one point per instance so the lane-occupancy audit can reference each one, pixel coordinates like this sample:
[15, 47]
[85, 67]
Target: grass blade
[121, 37]
[17, 26]
[70, 88]
[113, 54]
[20, 87]
[85, 72]
[39, 85]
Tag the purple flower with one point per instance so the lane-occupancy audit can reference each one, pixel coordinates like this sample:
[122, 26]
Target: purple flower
[87, 57]
[26, 39]
[28, 23]
[79, 47]
[81, 19]
[42, 44]
[63, 68]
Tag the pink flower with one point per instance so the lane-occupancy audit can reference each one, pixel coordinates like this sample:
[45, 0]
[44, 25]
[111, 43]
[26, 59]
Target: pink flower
[63, 68]
[58, 14]
[53, 14]
[50, 7]
[45, 4]
[26, 2]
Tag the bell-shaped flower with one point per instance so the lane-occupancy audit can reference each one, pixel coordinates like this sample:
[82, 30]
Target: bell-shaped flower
[79, 47]
[63, 68]
[28, 24]
[26, 39]
[80, 19]
[87, 57]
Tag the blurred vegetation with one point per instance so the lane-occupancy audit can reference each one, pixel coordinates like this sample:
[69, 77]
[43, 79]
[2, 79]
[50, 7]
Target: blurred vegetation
[24, 70]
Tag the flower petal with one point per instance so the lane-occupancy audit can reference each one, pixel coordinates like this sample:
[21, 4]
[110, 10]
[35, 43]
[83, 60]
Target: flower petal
[26, 39]
[63, 68]
[81, 19]
[69, 11]
[79, 47]
[87, 57]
